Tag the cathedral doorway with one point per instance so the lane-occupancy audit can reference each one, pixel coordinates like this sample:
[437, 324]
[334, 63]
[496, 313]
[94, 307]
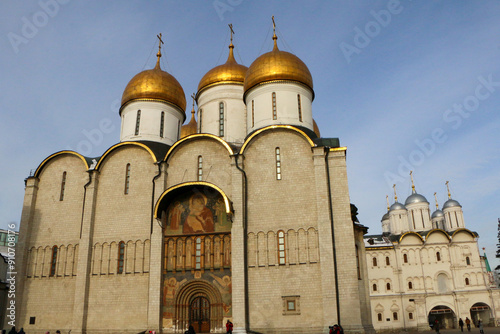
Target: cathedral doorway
[480, 311]
[444, 315]
[199, 314]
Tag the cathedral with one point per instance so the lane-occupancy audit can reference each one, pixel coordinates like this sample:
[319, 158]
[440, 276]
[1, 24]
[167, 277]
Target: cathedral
[242, 215]
[427, 267]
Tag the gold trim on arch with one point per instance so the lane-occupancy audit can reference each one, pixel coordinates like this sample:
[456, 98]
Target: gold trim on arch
[336, 149]
[410, 232]
[463, 230]
[39, 169]
[122, 144]
[199, 183]
[199, 135]
[256, 133]
[437, 230]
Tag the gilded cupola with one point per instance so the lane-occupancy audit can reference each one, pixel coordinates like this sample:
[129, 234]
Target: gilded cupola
[155, 85]
[191, 127]
[277, 66]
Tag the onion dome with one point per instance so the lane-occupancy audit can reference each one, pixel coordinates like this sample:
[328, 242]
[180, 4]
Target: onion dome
[155, 84]
[316, 129]
[397, 206]
[451, 203]
[276, 66]
[415, 198]
[231, 72]
[437, 214]
[385, 217]
[191, 127]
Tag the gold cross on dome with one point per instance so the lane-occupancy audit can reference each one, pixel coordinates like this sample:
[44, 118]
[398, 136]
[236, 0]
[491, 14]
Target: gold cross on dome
[160, 42]
[232, 31]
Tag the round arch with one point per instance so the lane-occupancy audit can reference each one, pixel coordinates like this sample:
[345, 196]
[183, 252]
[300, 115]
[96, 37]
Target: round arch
[410, 233]
[185, 297]
[197, 136]
[436, 230]
[52, 156]
[463, 230]
[442, 316]
[116, 146]
[481, 311]
[273, 127]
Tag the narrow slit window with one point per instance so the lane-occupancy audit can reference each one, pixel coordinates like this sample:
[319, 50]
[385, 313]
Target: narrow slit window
[281, 247]
[278, 164]
[127, 179]
[405, 258]
[374, 287]
[199, 118]
[53, 261]
[221, 119]
[162, 123]
[374, 260]
[63, 186]
[438, 256]
[198, 253]
[466, 281]
[467, 260]
[379, 316]
[137, 122]
[395, 315]
[388, 286]
[299, 106]
[410, 316]
[387, 261]
[275, 113]
[200, 168]
[253, 113]
[410, 285]
[121, 257]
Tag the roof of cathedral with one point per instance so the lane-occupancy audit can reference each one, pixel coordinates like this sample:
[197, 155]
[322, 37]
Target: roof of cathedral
[397, 206]
[451, 203]
[388, 239]
[155, 84]
[415, 198]
[275, 66]
[230, 72]
[437, 213]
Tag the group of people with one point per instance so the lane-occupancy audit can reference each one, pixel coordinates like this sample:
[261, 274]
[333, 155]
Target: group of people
[467, 323]
[13, 331]
[336, 329]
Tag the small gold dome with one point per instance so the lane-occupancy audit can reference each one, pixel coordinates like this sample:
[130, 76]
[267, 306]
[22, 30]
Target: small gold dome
[155, 84]
[277, 65]
[316, 129]
[190, 128]
[230, 72]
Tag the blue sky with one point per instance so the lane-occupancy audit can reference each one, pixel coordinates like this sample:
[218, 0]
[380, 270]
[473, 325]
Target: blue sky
[404, 85]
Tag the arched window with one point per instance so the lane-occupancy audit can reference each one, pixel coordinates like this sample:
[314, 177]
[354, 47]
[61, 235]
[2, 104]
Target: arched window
[63, 186]
[278, 163]
[387, 261]
[374, 260]
[199, 118]
[275, 113]
[405, 258]
[388, 286]
[137, 122]
[253, 113]
[395, 316]
[281, 247]
[200, 168]
[299, 106]
[374, 287]
[53, 261]
[121, 257]
[221, 119]
[410, 285]
[410, 316]
[379, 316]
[198, 253]
[467, 260]
[466, 281]
[127, 179]
[438, 256]
[162, 123]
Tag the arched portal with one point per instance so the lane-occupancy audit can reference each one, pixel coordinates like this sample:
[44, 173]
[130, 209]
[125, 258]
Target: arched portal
[196, 222]
[480, 311]
[444, 315]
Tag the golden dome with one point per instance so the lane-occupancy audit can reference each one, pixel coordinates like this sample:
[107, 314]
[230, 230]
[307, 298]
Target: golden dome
[190, 128]
[277, 65]
[230, 72]
[316, 129]
[155, 84]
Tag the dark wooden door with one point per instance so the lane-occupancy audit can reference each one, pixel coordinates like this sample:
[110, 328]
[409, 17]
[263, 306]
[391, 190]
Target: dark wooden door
[199, 315]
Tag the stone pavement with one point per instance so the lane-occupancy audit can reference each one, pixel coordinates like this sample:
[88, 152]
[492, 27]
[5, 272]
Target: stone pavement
[487, 330]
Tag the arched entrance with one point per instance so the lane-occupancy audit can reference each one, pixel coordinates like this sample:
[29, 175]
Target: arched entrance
[444, 315]
[199, 314]
[480, 311]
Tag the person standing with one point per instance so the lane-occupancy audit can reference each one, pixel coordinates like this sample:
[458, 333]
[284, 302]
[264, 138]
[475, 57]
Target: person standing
[229, 327]
[436, 326]
[467, 322]
[461, 324]
[480, 325]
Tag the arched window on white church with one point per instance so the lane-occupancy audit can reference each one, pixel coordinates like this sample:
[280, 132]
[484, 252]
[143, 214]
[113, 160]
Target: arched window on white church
[162, 123]
[281, 247]
[442, 283]
[127, 179]
[299, 107]
[137, 122]
[467, 281]
[467, 260]
[53, 261]
[275, 112]
[221, 119]
[200, 168]
[374, 260]
[121, 257]
[278, 163]
[438, 256]
[63, 186]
